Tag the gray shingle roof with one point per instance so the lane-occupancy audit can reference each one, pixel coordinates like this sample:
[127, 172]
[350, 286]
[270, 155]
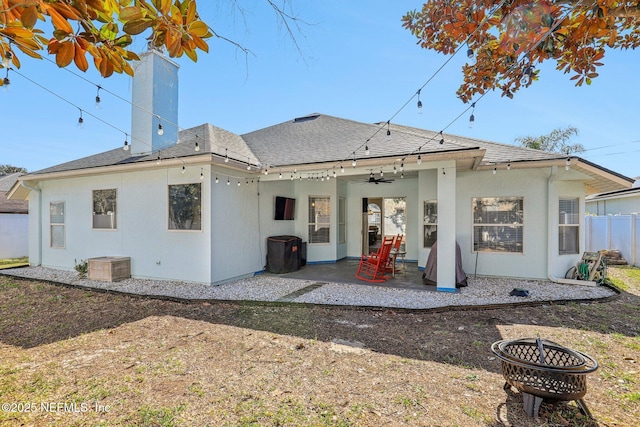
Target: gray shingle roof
[11, 206]
[318, 138]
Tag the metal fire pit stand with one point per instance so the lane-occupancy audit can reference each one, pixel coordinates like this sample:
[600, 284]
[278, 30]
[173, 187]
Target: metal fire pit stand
[542, 369]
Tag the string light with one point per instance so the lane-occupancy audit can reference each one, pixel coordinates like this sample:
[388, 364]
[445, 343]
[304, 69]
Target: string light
[419, 161]
[395, 170]
[228, 181]
[568, 164]
[419, 102]
[509, 166]
[469, 52]
[238, 183]
[280, 175]
[441, 138]
[444, 172]
[80, 119]
[6, 61]
[6, 82]
[366, 149]
[334, 171]
[217, 180]
[158, 160]
[495, 170]
[354, 163]
[402, 166]
[526, 75]
[184, 169]
[98, 100]
[341, 168]
[248, 164]
[291, 176]
[226, 155]
[266, 170]
[201, 174]
[381, 173]
[126, 142]
[197, 147]
[388, 133]
[160, 130]
[472, 118]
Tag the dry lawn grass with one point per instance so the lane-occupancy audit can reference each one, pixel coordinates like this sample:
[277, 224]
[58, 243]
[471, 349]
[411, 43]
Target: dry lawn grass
[68, 355]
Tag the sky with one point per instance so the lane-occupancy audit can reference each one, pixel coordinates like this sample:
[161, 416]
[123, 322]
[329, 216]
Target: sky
[349, 59]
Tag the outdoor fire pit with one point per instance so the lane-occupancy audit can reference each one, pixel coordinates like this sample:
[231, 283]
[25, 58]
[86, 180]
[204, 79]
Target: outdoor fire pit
[542, 369]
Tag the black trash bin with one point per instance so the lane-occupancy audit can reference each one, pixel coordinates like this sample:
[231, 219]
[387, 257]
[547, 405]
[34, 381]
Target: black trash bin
[284, 254]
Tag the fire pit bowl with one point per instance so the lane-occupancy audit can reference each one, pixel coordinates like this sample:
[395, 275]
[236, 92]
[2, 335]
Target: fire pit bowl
[542, 369]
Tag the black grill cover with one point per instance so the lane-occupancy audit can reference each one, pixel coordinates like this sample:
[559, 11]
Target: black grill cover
[284, 254]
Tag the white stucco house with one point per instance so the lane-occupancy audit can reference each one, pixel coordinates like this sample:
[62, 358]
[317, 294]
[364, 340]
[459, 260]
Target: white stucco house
[14, 221]
[198, 204]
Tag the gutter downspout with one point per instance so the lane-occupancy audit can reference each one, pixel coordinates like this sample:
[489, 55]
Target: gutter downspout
[27, 186]
[551, 233]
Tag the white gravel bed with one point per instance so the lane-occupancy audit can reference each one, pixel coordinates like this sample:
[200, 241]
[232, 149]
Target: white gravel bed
[481, 291]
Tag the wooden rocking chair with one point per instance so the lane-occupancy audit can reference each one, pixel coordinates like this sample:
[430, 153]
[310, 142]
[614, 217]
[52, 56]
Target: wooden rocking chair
[373, 267]
[395, 248]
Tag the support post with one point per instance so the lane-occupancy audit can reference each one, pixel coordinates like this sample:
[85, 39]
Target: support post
[446, 277]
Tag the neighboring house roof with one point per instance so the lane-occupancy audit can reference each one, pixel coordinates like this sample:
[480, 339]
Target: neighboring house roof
[11, 206]
[627, 192]
[319, 139]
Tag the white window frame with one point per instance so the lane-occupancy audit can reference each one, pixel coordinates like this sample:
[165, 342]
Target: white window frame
[563, 224]
[112, 214]
[342, 220]
[169, 221]
[498, 227]
[429, 222]
[53, 225]
[318, 225]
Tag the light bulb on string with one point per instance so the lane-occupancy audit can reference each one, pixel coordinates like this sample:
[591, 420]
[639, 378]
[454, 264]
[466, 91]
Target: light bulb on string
[419, 102]
[217, 180]
[567, 165]
[419, 161]
[98, 100]
[441, 138]
[6, 82]
[6, 59]
[248, 164]
[80, 119]
[402, 166]
[226, 155]
[509, 166]
[395, 170]
[469, 53]
[197, 146]
[291, 176]
[158, 160]
[526, 75]
[381, 173]
[495, 170]
[184, 168]
[280, 175]
[402, 175]
[388, 133]
[228, 181]
[160, 130]
[126, 142]
[366, 150]
[266, 170]
[341, 168]
[334, 171]
[238, 184]
[201, 174]
[472, 118]
[354, 163]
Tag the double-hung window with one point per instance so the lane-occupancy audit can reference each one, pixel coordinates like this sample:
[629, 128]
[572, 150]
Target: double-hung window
[56, 224]
[319, 219]
[498, 224]
[568, 226]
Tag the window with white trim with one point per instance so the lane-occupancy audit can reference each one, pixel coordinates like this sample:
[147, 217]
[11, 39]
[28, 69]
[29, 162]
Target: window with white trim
[104, 209]
[56, 224]
[569, 226]
[185, 207]
[430, 223]
[342, 220]
[319, 219]
[498, 224]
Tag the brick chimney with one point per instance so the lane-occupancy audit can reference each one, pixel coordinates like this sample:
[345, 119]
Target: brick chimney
[155, 102]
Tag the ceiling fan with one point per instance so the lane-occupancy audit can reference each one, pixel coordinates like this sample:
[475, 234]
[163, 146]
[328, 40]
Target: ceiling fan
[373, 180]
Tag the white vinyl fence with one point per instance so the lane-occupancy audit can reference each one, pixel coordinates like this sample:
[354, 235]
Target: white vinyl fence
[621, 232]
[14, 235]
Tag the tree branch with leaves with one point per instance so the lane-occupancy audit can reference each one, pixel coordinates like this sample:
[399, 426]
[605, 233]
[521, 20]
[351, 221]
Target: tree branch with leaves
[102, 29]
[508, 39]
[556, 141]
